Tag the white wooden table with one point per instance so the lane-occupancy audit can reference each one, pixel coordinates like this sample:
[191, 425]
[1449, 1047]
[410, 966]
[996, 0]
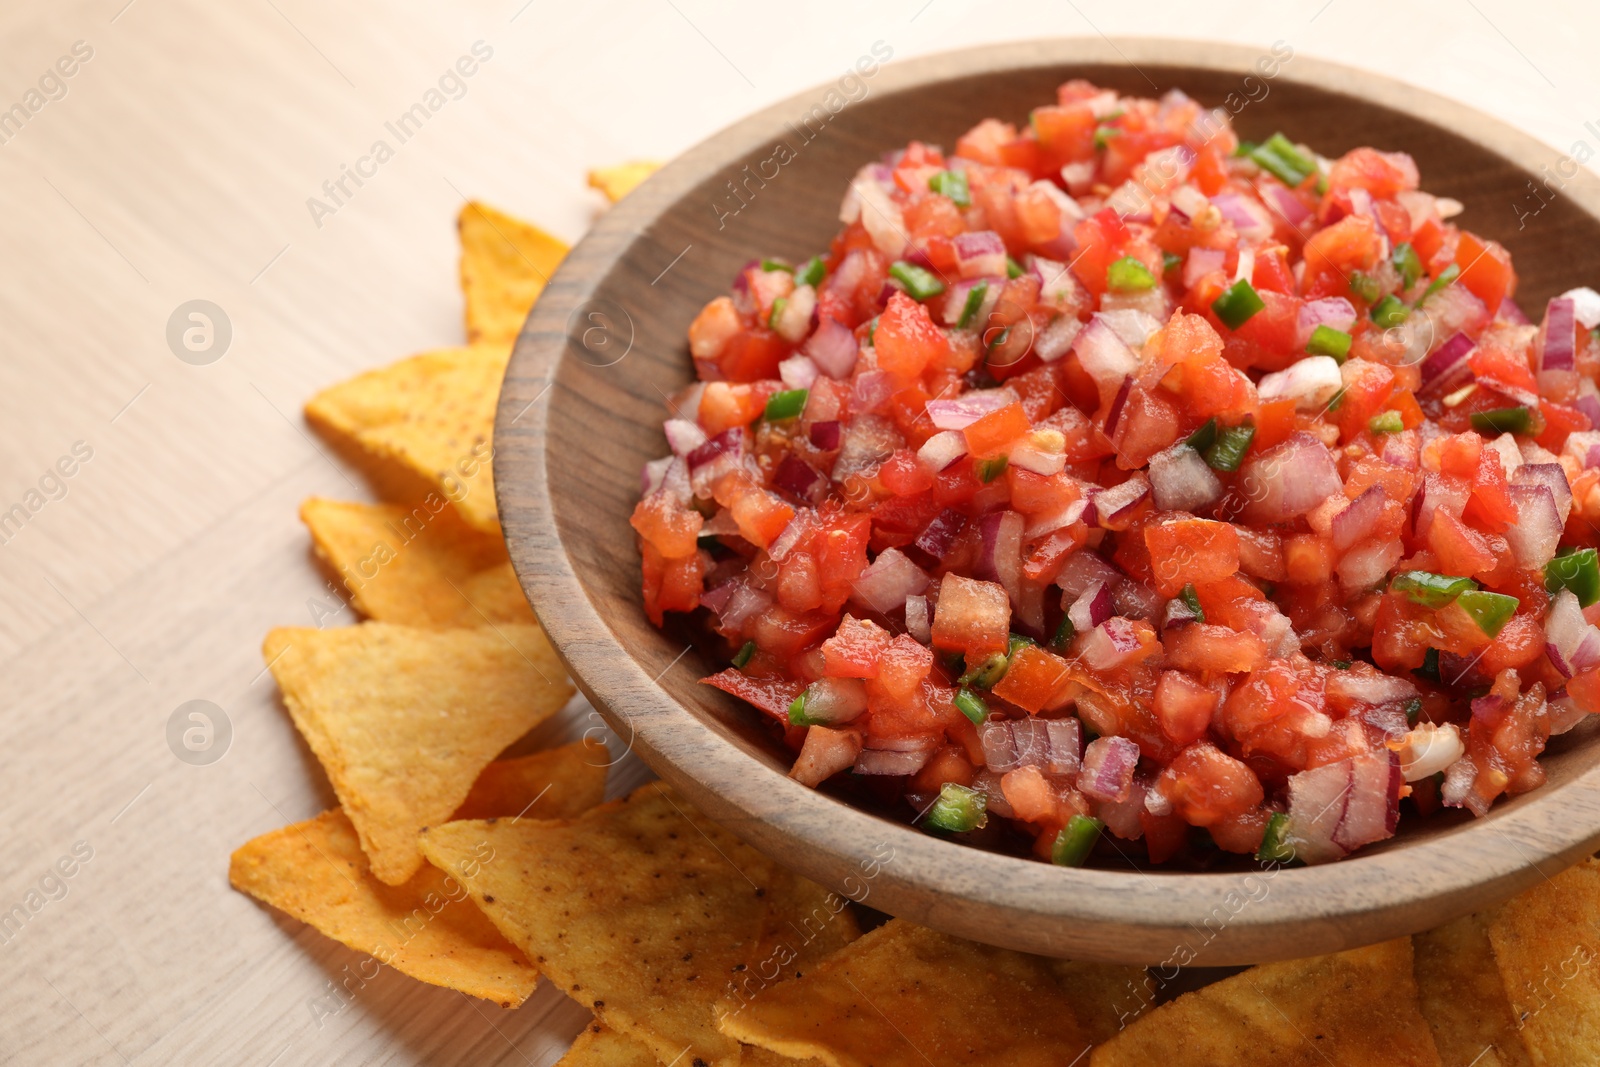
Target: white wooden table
[175, 163]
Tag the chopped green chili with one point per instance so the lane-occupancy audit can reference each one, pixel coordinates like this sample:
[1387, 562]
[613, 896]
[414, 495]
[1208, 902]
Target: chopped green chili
[777, 312]
[1413, 711]
[1386, 422]
[958, 809]
[1227, 452]
[952, 183]
[1390, 311]
[1013, 268]
[990, 469]
[1075, 841]
[1129, 275]
[1429, 589]
[797, 711]
[1236, 306]
[786, 405]
[1192, 599]
[987, 673]
[1578, 571]
[969, 310]
[1065, 631]
[1491, 611]
[744, 654]
[1446, 276]
[1365, 286]
[1406, 261]
[1503, 420]
[811, 273]
[1203, 438]
[776, 264]
[921, 283]
[1275, 847]
[1103, 135]
[972, 706]
[1326, 341]
[1170, 262]
[1340, 664]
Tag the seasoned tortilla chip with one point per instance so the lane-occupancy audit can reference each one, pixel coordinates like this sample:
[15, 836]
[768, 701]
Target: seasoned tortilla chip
[1463, 998]
[315, 871]
[403, 720]
[432, 415]
[642, 909]
[1547, 946]
[505, 264]
[598, 1046]
[1355, 1007]
[906, 996]
[418, 566]
[618, 181]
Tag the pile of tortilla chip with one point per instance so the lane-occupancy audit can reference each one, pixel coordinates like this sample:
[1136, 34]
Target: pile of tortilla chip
[464, 866]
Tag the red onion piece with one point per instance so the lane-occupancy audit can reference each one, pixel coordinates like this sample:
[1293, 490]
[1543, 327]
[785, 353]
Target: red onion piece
[940, 533]
[1287, 204]
[824, 754]
[1402, 449]
[1000, 551]
[1338, 807]
[1190, 203]
[980, 253]
[1588, 402]
[1112, 644]
[825, 435]
[960, 413]
[1585, 306]
[887, 581]
[653, 474]
[1564, 712]
[1103, 355]
[1444, 366]
[1050, 522]
[730, 440]
[865, 443]
[1178, 613]
[881, 761]
[683, 436]
[1114, 415]
[1548, 474]
[1202, 261]
[1571, 643]
[919, 619]
[1510, 312]
[872, 388]
[1108, 766]
[1249, 218]
[833, 348]
[1438, 493]
[1114, 505]
[1052, 745]
[1560, 335]
[797, 372]
[1289, 479]
[1373, 809]
[941, 450]
[1536, 534]
[1583, 446]
[1311, 382]
[1334, 312]
[716, 598]
[1091, 608]
[955, 302]
[1056, 339]
[1082, 571]
[743, 604]
[1181, 481]
[1355, 522]
[797, 476]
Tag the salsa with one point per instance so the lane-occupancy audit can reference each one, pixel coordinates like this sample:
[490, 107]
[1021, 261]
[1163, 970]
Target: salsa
[1116, 477]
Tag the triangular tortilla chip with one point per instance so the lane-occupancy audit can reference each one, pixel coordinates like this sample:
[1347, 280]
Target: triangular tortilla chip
[315, 871]
[618, 181]
[1464, 999]
[432, 415]
[418, 566]
[599, 1046]
[505, 265]
[1355, 1007]
[644, 910]
[906, 996]
[403, 720]
[1547, 946]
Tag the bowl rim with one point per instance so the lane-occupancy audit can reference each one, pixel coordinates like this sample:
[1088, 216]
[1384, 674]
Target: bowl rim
[1111, 915]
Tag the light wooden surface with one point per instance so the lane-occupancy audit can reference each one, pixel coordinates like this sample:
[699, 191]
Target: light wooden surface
[177, 166]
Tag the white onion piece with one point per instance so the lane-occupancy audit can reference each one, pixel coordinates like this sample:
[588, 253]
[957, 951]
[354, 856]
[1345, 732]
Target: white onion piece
[1510, 457]
[1334, 312]
[833, 348]
[1189, 200]
[1078, 177]
[1428, 749]
[654, 475]
[980, 253]
[1181, 481]
[1310, 383]
[1082, 571]
[1057, 285]
[1564, 712]
[1585, 305]
[1056, 339]
[1246, 267]
[882, 761]
[1041, 452]
[1132, 327]
[1369, 565]
[882, 218]
[797, 372]
[794, 321]
[1202, 261]
[1060, 519]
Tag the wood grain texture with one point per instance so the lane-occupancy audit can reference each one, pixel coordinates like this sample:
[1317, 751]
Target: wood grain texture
[580, 414]
[177, 166]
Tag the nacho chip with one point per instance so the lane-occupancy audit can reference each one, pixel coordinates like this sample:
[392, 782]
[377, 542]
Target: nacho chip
[1463, 998]
[419, 566]
[618, 181]
[431, 415]
[505, 264]
[906, 995]
[403, 720]
[315, 871]
[1547, 946]
[642, 909]
[598, 1046]
[1355, 1007]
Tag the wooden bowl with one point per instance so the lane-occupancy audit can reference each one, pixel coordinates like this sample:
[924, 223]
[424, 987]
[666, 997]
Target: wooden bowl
[583, 405]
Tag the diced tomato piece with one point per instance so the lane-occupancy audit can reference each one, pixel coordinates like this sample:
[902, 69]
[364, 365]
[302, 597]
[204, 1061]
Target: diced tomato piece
[1066, 132]
[906, 339]
[1035, 681]
[1217, 649]
[671, 584]
[972, 617]
[903, 475]
[855, 650]
[673, 529]
[1383, 174]
[772, 695]
[903, 664]
[1461, 549]
[1485, 269]
[1184, 707]
[994, 433]
[1332, 253]
[1190, 550]
[1206, 785]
